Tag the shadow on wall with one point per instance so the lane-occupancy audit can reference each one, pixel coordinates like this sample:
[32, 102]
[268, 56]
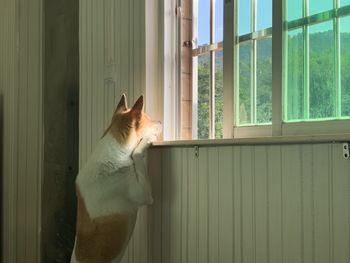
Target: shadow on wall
[61, 129]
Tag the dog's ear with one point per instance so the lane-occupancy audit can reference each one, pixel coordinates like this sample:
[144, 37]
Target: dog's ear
[122, 105]
[138, 108]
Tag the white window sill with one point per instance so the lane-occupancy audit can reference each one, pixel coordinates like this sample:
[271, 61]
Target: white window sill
[276, 140]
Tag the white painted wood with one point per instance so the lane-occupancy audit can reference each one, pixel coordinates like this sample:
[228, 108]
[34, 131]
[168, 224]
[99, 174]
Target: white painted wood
[21, 59]
[277, 203]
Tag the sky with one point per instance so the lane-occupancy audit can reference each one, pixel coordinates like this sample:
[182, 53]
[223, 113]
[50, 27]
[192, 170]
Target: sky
[264, 15]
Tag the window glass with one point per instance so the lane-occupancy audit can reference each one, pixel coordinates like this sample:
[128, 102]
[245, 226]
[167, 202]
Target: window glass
[245, 78]
[318, 6]
[203, 22]
[219, 20]
[264, 14]
[344, 2]
[345, 65]
[244, 17]
[294, 9]
[219, 94]
[295, 95]
[321, 80]
[203, 96]
[264, 81]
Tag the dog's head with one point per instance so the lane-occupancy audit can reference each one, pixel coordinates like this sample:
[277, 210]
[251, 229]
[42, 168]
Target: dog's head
[130, 125]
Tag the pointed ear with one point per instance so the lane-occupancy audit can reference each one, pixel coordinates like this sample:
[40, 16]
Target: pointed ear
[137, 108]
[122, 105]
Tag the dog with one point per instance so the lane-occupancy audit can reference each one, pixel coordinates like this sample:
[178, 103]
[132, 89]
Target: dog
[112, 185]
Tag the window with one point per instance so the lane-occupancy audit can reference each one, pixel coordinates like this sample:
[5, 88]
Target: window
[254, 67]
[317, 60]
[201, 68]
[291, 67]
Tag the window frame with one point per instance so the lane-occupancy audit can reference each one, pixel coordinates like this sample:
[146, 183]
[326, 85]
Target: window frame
[230, 130]
[278, 127]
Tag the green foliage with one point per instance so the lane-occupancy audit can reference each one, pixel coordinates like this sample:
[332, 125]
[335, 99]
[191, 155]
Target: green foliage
[321, 82]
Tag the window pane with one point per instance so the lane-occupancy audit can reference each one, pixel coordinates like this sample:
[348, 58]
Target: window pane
[294, 9]
[264, 81]
[218, 94]
[294, 104]
[264, 15]
[203, 96]
[318, 6]
[345, 65]
[203, 22]
[219, 20]
[344, 2]
[244, 16]
[245, 76]
[322, 88]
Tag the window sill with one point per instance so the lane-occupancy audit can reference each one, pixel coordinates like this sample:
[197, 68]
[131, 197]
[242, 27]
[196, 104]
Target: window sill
[276, 140]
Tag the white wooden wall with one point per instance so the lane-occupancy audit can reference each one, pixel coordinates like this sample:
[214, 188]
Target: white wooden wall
[245, 204]
[21, 128]
[111, 63]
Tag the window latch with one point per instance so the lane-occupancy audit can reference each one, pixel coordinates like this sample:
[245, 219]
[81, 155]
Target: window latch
[188, 43]
[346, 154]
[178, 11]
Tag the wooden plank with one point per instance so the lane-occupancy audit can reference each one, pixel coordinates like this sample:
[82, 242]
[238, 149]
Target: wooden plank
[192, 206]
[307, 203]
[322, 208]
[184, 205]
[261, 204]
[237, 204]
[247, 206]
[291, 206]
[155, 163]
[275, 242]
[225, 205]
[175, 204]
[341, 205]
[166, 220]
[203, 212]
[213, 205]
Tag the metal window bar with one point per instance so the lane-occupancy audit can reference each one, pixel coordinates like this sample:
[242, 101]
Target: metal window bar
[337, 76]
[212, 73]
[306, 107]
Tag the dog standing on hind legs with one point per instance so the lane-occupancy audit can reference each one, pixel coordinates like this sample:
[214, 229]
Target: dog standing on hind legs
[112, 185]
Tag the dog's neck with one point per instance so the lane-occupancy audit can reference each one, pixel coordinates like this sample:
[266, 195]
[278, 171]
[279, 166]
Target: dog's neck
[110, 153]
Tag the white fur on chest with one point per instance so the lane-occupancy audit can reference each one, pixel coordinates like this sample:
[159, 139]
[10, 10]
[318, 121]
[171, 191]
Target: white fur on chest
[108, 182]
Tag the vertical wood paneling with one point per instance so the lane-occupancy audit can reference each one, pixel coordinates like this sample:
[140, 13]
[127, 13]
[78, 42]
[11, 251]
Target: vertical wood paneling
[307, 204]
[261, 204]
[341, 202]
[237, 204]
[247, 206]
[322, 209]
[226, 219]
[155, 215]
[291, 204]
[253, 204]
[203, 210]
[275, 233]
[21, 125]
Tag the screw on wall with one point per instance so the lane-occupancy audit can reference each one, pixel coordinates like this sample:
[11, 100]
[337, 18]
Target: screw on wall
[196, 151]
[346, 154]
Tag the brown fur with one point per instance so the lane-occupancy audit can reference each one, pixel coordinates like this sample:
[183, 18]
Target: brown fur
[102, 239]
